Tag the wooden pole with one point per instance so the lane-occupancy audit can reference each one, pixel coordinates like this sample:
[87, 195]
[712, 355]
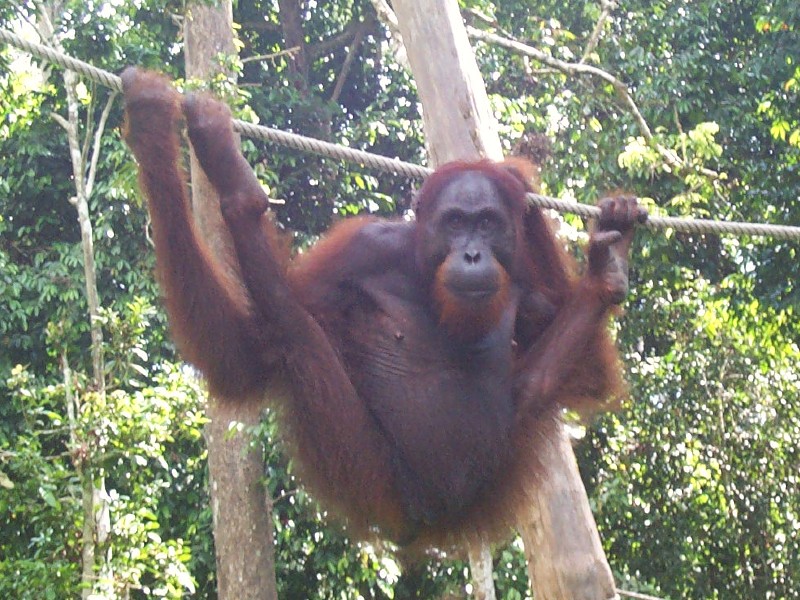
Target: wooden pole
[241, 509]
[457, 116]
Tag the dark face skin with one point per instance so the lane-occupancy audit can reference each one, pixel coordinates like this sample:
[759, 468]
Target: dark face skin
[468, 238]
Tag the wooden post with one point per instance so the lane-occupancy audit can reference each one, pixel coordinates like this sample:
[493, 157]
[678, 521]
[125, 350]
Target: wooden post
[565, 557]
[458, 119]
[562, 546]
[241, 509]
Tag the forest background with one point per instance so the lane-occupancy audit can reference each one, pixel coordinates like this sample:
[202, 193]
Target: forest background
[694, 482]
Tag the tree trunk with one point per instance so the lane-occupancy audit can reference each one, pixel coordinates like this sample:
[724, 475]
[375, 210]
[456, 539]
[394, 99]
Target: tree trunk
[240, 506]
[94, 499]
[294, 38]
[563, 549]
[565, 558]
[457, 117]
[480, 568]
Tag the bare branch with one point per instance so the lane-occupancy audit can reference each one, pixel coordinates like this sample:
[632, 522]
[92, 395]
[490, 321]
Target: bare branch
[98, 135]
[47, 29]
[73, 137]
[389, 19]
[290, 52]
[147, 231]
[543, 70]
[260, 25]
[568, 68]
[680, 130]
[669, 156]
[284, 495]
[474, 13]
[87, 134]
[343, 38]
[62, 121]
[607, 7]
[352, 52]
[19, 11]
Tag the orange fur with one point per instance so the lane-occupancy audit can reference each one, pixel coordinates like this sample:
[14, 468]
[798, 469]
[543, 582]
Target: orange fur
[467, 320]
[394, 421]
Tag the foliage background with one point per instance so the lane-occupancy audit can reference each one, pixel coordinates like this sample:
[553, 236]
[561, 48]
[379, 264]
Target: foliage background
[694, 482]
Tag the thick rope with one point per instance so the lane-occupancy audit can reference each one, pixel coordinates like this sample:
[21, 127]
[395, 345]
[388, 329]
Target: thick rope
[328, 149]
[393, 165]
[62, 60]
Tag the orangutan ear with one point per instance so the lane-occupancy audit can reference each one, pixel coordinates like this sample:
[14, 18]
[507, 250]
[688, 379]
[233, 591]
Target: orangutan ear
[524, 170]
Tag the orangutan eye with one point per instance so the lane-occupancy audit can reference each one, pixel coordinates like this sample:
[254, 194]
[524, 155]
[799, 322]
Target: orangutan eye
[454, 220]
[488, 222]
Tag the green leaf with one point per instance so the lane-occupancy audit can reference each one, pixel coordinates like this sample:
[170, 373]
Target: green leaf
[5, 481]
[49, 498]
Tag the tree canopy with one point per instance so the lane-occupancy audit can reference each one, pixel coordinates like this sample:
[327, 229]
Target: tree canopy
[692, 105]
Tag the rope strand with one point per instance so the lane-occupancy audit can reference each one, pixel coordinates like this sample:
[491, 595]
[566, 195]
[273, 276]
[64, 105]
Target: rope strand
[394, 165]
[62, 60]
